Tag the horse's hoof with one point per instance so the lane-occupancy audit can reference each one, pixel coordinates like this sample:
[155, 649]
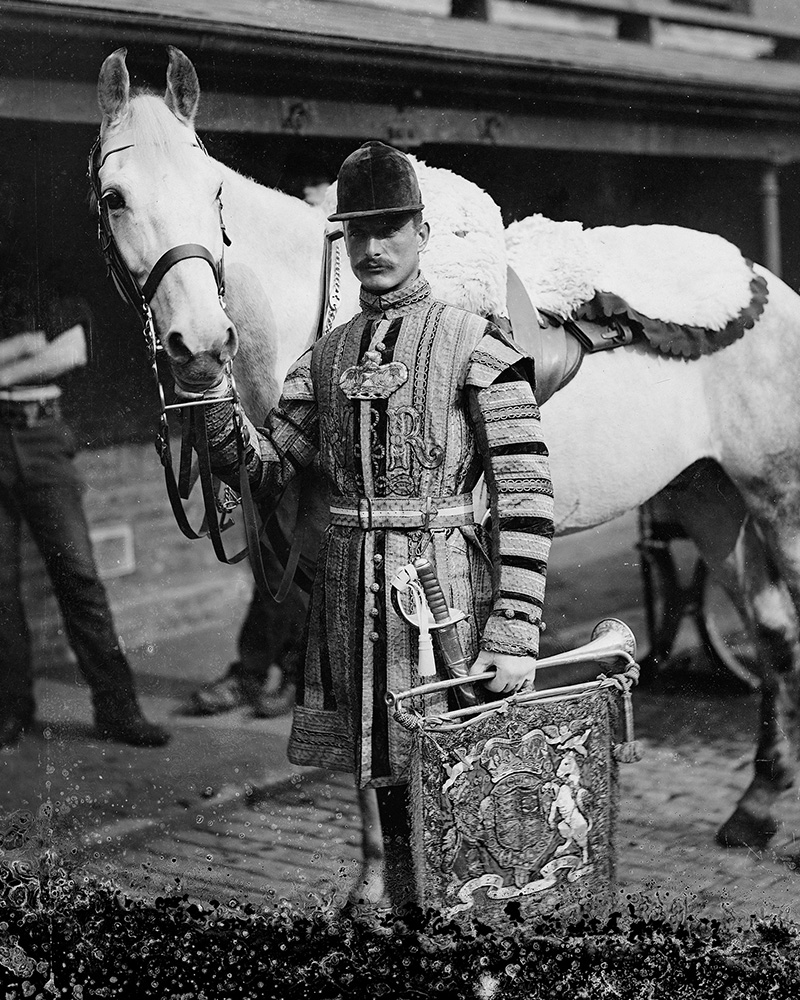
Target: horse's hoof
[745, 830]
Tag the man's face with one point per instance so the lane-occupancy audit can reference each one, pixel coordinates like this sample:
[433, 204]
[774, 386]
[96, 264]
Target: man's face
[384, 250]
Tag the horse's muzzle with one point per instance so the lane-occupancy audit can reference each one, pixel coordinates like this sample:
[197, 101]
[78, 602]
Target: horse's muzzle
[198, 372]
[221, 350]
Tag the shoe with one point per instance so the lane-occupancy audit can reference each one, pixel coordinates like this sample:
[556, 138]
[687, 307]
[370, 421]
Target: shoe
[124, 723]
[15, 721]
[272, 704]
[232, 691]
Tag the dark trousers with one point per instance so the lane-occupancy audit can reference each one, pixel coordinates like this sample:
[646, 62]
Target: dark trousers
[272, 633]
[39, 485]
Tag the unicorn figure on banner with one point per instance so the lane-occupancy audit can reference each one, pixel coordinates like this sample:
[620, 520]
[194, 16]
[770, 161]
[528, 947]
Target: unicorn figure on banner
[701, 402]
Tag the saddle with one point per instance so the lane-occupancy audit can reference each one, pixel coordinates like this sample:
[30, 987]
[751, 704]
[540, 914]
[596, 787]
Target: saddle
[556, 346]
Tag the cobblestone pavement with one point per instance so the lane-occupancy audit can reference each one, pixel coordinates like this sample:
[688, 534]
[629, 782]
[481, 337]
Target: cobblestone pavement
[298, 837]
[222, 812]
[298, 840]
[672, 803]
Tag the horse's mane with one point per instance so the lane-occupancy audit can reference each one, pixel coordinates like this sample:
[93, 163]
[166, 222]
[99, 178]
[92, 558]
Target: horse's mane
[155, 128]
[152, 127]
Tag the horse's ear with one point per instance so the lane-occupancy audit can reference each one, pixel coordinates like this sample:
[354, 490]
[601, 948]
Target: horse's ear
[114, 87]
[183, 87]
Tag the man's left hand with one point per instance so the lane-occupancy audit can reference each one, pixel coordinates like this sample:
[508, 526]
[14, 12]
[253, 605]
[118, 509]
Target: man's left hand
[511, 671]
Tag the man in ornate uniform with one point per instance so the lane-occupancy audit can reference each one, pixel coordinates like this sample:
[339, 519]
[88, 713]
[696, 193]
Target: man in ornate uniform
[405, 406]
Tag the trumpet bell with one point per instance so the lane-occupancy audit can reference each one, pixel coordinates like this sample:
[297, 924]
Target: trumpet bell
[611, 641]
[618, 635]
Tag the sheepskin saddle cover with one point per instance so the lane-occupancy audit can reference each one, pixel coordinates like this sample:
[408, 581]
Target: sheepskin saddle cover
[690, 293]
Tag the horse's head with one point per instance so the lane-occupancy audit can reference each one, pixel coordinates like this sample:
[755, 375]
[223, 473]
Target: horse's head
[160, 203]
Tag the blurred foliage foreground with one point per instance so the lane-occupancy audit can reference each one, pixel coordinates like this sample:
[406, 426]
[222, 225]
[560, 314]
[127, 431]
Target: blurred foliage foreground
[63, 934]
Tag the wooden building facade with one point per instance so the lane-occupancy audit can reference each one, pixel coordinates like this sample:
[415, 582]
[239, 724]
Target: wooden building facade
[607, 111]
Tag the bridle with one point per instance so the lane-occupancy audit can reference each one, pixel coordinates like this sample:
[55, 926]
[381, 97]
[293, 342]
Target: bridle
[218, 509]
[125, 283]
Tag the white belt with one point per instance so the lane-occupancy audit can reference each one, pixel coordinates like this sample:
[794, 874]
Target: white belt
[373, 513]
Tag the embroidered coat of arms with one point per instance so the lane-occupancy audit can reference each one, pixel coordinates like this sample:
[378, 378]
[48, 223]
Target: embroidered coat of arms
[514, 815]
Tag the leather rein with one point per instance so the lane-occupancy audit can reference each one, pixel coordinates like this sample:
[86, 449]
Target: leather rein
[217, 508]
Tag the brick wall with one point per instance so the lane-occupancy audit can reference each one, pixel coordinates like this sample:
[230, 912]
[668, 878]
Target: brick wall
[159, 583]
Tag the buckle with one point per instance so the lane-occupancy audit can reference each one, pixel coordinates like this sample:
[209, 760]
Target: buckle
[429, 512]
[365, 513]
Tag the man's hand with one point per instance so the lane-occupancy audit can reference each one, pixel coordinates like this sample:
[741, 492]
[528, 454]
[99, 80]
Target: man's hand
[511, 671]
[23, 345]
[66, 352]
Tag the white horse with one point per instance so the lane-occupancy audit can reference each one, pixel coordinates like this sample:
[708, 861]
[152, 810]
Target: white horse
[721, 432]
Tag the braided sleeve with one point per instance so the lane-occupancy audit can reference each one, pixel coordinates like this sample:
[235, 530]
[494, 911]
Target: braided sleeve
[276, 452]
[515, 460]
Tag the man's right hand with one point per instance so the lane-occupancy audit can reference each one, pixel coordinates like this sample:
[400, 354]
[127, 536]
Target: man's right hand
[511, 670]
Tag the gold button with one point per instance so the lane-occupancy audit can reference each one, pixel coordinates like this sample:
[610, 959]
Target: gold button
[374, 587]
[374, 636]
[377, 559]
[509, 613]
[374, 613]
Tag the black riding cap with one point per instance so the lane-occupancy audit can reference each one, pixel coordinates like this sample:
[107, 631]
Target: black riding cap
[376, 180]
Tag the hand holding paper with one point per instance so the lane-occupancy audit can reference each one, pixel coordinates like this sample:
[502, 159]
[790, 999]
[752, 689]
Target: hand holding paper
[31, 359]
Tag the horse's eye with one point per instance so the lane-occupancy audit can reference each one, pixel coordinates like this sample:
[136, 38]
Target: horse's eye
[113, 201]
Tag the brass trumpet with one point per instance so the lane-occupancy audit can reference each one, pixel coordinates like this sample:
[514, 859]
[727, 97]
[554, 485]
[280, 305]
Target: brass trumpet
[611, 641]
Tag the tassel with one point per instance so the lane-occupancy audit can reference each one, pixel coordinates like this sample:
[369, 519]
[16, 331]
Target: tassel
[631, 750]
[628, 753]
[413, 723]
[426, 664]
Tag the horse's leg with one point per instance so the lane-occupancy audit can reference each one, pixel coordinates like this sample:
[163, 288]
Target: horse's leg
[714, 514]
[775, 623]
[773, 554]
[369, 887]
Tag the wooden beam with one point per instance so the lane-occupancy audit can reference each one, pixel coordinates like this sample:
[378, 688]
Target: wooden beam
[409, 127]
[42, 100]
[729, 17]
[411, 43]
[260, 15]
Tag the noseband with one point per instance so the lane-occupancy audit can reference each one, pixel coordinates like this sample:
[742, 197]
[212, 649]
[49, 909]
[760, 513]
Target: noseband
[217, 508]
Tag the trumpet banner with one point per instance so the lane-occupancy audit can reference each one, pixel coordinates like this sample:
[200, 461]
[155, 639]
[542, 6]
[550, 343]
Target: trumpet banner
[514, 814]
